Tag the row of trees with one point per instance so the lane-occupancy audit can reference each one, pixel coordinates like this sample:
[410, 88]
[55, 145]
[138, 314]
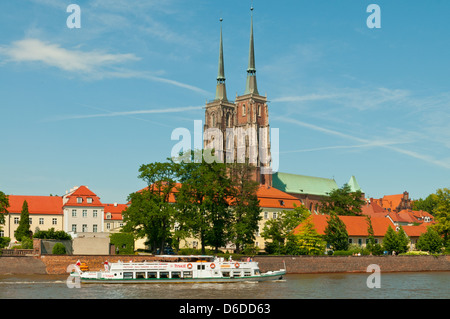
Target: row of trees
[215, 202]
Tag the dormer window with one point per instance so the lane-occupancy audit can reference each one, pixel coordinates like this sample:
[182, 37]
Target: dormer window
[89, 200]
[108, 215]
[79, 200]
[281, 202]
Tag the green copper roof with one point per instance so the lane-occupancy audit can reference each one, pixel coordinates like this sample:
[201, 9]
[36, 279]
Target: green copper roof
[221, 92]
[251, 87]
[301, 184]
[354, 186]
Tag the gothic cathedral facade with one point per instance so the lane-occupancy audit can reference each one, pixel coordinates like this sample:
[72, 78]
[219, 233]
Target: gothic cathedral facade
[239, 131]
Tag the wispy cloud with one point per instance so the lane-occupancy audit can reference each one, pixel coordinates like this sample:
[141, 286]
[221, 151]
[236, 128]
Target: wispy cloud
[88, 64]
[124, 113]
[35, 50]
[361, 99]
[390, 145]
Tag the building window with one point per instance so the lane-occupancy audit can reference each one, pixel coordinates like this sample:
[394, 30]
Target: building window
[281, 202]
[16, 220]
[41, 221]
[350, 240]
[360, 241]
[274, 215]
[94, 213]
[74, 213]
[259, 110]
[243, 109]
[84, 228]
[89, 200]
[31, 220]
[108, 215]
[54, 221]
[84, 212]
[79, 200]
[108, 226]
[94, 228]
[266, 215]
[74, 228]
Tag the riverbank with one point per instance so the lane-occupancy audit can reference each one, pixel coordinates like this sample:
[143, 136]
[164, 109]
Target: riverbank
[50, 264]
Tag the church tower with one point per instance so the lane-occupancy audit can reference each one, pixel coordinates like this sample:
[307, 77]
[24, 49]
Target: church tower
[219, 113]
[252, 115]
[239, 131]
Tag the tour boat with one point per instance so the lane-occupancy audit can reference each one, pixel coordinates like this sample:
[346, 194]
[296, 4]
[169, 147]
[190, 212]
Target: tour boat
[183, 269]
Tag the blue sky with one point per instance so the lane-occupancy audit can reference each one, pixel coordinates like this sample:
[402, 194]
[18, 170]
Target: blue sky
[88, 106]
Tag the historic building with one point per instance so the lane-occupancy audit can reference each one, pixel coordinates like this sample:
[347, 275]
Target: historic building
[239, 131]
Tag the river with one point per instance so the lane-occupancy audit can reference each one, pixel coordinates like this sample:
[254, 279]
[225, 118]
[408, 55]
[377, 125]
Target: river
[422, 285]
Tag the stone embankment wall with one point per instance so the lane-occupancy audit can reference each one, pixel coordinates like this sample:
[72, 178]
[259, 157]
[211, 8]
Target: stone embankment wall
[49, 264]
[333, 264]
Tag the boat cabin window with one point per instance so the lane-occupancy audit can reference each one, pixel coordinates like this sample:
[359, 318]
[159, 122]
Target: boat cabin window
[225, 273]
[152, 274]
[164, 274]
[236, 274]
[187, 274]
[247, 273]
[127, 275]
[140, 275]
[176, 274]
[201, 267]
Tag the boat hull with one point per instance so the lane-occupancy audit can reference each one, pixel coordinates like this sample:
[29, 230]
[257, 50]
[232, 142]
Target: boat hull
[270, 276]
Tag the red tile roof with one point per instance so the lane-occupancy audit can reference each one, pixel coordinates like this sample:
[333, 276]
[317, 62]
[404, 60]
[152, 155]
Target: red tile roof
[410, 216]
[84, 193]
[356, 225]
[115, 210]
[269, 197]
[51, 205]
[415, 231]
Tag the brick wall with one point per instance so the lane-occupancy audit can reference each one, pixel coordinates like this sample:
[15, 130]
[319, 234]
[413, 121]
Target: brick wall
[330, 264]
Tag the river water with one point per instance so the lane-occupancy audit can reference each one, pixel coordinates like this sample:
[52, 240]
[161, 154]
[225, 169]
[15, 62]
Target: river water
[423, 285]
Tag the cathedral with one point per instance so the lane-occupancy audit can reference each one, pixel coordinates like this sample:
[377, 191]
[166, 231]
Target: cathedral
[239, 131]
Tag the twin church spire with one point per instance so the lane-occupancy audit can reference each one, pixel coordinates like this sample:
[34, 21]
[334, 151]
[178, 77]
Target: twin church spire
[251, 86]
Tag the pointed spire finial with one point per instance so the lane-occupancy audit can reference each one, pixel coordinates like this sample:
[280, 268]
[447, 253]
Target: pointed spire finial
[251, 70]
[221, 90]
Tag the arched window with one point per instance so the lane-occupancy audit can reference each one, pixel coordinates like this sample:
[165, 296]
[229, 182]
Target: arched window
[213, 120]
[243, 109]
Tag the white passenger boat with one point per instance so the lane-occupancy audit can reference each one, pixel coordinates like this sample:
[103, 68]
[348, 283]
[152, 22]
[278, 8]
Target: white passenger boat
[183, 269]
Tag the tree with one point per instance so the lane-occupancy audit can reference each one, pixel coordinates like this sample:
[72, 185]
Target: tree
[402, 241]
[336, 234]
[343, 202]
[203, 199]
[428, 204]
[430, 241]
[151, 215]
[390, 240]
[278, 230]
[442, 214]
[372, 247]
[396, 241]
[245, 203]
[23, 230]
[4, 204]
[309, 241]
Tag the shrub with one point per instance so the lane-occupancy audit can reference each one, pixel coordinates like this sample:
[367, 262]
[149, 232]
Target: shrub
[124, 243]
[4, 241]
[59, 249]
[27, 243]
